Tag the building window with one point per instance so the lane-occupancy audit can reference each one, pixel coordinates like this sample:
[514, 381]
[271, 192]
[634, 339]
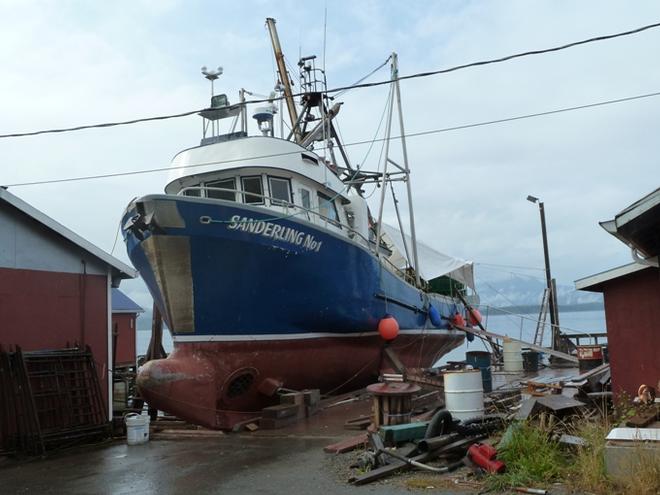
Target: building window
[327, 208]
[280, 191]
[252, 185]
[221, 184]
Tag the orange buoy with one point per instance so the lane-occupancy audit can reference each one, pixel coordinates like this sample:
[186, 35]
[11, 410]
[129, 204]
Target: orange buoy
[458, 319]
[474, 317]
[388, 327]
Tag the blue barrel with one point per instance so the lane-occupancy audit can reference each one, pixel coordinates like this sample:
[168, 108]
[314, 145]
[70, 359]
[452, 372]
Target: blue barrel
[481, 360]
[531, 360]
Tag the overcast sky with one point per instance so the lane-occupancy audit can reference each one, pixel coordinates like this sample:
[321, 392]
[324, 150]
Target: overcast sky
[70, 63]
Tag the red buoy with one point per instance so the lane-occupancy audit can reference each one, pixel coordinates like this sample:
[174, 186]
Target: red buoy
[388, 327]
[458, 319]
[474, 317]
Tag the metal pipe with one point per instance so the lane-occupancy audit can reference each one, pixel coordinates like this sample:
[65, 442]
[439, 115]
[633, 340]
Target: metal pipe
[413, 462]
[321, 127]
[243, 111]
[435, 443]
[284, 79]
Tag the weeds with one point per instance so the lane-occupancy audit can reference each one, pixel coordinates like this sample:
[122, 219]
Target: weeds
[587, 471]
[531, 457]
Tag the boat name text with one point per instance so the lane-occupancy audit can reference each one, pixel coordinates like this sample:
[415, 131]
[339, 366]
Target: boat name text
[275, 231]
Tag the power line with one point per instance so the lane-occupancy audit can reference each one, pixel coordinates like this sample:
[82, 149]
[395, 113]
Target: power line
[356, 143]
[506, 58]
[355, 86]
[511, 266]
[95, 126]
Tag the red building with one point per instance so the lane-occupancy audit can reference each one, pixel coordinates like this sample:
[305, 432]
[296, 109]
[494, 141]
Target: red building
[124, 315]
[55, 287]
[632, 298]
[632, 312]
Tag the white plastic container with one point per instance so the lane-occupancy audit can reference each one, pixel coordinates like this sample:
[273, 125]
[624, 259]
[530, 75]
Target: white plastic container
[464, 394]
[513, 360]
[137, 428]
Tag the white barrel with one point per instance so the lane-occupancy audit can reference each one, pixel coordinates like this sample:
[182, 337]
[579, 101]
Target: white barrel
[137, 428]
[513, 360]
[464, 394]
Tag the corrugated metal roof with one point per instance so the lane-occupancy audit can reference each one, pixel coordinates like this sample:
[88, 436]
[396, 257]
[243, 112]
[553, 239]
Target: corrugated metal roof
[637, 225]
[121, 303]
[121, 270]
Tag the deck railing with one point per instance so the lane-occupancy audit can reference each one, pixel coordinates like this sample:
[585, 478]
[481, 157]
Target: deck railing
[292, 210]
[523, 327]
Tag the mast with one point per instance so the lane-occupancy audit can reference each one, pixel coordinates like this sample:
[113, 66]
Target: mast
[395, 94]
[395, 78]
[284, 78]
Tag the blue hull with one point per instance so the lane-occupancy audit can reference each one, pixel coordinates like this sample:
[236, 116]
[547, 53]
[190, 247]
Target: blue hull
[242, 272]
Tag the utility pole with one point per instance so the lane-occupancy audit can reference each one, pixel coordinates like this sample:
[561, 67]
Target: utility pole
[552, 301]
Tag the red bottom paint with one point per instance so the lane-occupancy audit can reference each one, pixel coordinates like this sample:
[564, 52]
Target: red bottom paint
[217, 384]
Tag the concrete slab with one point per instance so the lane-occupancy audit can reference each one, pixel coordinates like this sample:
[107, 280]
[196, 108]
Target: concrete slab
[290, 460]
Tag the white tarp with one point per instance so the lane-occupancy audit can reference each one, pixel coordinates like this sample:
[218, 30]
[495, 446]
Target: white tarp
[432, 263]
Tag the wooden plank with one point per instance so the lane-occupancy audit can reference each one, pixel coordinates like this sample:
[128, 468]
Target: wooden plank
[280, 411]
[551, 352]
[347, 444]
[588, 374]
[245, 424]
[397, 465]
[382, 472]
[642, 419]
[359, 423]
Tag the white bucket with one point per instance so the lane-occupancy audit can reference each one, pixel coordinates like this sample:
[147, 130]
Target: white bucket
[464, 394]
[513, 360]
[137, 428]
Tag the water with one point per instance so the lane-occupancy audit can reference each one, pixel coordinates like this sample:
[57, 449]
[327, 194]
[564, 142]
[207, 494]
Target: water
[523, 327]
[516, 326]
[143, 337]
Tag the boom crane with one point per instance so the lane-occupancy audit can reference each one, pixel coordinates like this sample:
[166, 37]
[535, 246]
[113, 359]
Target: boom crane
[284, 78]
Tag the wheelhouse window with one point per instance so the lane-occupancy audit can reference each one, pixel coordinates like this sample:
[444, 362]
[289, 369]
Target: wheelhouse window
[216, 193]
[327, 208]
[280, 191]
[252, 190]
[192, 192]
[305, 199]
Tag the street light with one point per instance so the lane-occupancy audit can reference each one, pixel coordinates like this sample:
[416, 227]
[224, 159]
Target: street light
[552, 300]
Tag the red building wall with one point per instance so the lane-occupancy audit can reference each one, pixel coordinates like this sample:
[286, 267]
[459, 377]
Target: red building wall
[125, 325]
[632, 311]
[52, 310]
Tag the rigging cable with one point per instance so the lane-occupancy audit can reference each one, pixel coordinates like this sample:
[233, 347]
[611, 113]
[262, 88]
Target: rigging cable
[356, 83]
[407, 135]
[511, 266]
[354, 86]
[382, 146]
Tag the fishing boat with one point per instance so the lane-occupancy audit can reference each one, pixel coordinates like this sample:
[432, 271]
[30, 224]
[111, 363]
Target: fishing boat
[268, 267]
